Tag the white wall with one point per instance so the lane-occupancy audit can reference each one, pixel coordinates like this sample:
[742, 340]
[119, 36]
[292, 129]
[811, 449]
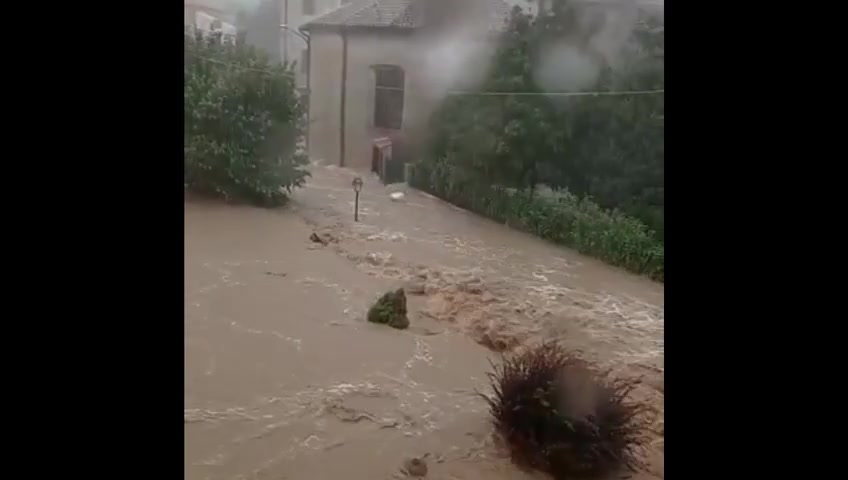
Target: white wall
[205, 21]
[425, 82]
[325, 99]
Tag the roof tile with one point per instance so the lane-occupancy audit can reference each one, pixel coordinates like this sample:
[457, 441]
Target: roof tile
[403, 14]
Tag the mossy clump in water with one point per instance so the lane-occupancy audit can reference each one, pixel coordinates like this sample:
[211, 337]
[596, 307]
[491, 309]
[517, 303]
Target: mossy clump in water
[559, 415]
[390, 310]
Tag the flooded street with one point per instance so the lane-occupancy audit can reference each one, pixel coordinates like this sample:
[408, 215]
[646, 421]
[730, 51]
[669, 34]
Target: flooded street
[284, 378]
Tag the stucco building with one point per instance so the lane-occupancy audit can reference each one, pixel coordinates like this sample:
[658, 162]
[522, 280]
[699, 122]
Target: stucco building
[293, 15]
[271, 25]
[379, 67]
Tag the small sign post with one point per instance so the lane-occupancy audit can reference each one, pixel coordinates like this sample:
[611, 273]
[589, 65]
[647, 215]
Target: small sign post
[357, 187]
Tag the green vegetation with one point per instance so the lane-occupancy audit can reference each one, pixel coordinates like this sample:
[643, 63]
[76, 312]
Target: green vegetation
[603, 156]
[243, 121]
[390, 310]
[558, 216]
[560, 416]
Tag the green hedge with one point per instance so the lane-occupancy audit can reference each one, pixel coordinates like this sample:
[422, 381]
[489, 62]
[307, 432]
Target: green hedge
[243, 122]
[578, 223]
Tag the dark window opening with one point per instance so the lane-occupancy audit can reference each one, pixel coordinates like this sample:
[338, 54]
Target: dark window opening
[388, 97]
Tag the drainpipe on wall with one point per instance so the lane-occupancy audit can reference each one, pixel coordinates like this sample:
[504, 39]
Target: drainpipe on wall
[285, 33]
[308, 38]
[343, 99]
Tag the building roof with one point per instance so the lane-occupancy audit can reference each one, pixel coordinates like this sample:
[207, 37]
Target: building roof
[370, 13]
[396, 14]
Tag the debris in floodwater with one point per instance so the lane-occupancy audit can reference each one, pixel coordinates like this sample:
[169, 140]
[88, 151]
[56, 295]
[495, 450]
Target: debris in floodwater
[379, 258]
[315, 238]
[415, 467]
[350, 415]
[323, 238]
[416, 287]
[426, 332]
[334, 445]
[276, 274]
[397, 196]
[495, 339]
[390, 310]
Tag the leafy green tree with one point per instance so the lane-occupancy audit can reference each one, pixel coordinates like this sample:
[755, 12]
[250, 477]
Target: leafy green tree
[606, 148]
[243, 121]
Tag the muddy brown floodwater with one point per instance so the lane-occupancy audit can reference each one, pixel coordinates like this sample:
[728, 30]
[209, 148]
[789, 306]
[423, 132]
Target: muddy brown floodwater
[284, 378]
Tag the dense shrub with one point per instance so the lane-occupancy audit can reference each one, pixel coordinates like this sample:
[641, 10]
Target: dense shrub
[559, 415]
[243, 122]
[560, 217]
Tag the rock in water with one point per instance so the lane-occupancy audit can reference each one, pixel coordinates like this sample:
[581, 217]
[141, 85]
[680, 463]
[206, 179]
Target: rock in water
[390, 310]
[415, 467]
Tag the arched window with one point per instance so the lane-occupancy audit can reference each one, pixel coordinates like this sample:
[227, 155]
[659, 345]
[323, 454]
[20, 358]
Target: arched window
[388, 96]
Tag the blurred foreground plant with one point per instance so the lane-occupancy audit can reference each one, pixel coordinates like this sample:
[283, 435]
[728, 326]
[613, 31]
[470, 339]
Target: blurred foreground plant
[559, 415]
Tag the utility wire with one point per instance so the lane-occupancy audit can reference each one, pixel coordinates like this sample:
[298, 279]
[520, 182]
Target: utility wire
[236, 65]
[460, 92]
[558, 94]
